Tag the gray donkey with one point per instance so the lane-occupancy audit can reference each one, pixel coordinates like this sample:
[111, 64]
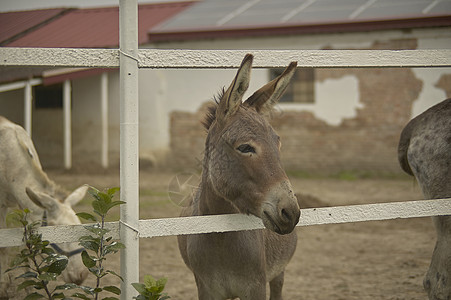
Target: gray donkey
[242, 173]
[425, 152]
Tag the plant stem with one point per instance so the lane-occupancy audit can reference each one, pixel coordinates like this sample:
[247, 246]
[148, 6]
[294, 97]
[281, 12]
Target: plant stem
[35, 263]
[101, 256]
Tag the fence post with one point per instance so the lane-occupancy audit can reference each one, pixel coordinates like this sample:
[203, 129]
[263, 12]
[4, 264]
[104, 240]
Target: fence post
[104, 114]
[28, 98]
[129, 169]
[67, 124]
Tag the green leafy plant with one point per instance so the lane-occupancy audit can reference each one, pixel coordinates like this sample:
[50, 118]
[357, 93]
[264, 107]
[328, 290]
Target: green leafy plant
[41, 264]
[98, 244]
[38, 260]
[151, 289]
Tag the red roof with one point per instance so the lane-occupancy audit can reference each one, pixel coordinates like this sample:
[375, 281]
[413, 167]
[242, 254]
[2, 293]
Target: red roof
[90, 28]
[15, 23]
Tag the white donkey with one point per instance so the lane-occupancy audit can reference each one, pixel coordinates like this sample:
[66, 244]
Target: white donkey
[24, 184]
[425, 152]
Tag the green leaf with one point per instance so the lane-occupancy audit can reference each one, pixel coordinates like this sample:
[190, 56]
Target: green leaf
[14, 218]
[58, 265]
[33, 296]
[113, 247]
[110, 298]
[66, 286]
[89, 238]
[96, 271]
[115, 274]
[80, 295]
[105, 197]
[115, 203]
[141, 288]
[58, 296]
[93, 192]
[48, 276]
[26, 284]
[97, 230]
[113, 289]
[18, 260]
[113, 191]
[100, 207]
[48, 251]
[149, 281]
[18, 267]
[87, 260]
[90, 245]
[86, 216]
[28, 274]
[162, 282]
[88, 290]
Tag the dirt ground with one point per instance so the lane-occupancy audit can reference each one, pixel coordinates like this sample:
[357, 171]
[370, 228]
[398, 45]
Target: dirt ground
[370, 260]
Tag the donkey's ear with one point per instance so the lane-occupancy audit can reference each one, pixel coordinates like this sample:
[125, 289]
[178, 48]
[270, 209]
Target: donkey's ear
[76, 196]
[266, 97]
[42, 200]
[231, 100]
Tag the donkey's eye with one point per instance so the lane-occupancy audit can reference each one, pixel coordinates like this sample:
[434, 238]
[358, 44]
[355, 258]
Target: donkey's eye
[246, 148]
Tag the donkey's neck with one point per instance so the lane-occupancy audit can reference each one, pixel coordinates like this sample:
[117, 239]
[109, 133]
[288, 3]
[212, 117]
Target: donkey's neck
[210, 203]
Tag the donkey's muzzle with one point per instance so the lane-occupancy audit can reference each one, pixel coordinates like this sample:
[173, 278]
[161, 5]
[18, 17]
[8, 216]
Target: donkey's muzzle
[280, 211]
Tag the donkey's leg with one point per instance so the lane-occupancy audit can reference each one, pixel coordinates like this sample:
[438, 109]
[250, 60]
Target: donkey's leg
[275, 287]
[203, 292]
[437, 281]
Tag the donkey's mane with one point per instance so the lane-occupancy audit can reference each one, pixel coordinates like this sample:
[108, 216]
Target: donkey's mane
[210, 116]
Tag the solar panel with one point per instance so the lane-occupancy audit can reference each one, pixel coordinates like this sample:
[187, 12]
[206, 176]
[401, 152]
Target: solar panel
[218, 14]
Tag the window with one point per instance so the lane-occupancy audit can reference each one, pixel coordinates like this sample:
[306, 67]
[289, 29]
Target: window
[301, 88]
[50, 96]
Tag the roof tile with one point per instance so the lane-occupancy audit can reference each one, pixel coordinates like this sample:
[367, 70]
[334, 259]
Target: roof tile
[88, 28]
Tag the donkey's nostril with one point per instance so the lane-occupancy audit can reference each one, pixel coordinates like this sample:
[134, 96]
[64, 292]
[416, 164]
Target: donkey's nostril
[286, 215]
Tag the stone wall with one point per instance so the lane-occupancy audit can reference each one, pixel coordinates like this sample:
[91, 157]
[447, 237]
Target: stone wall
[367, 142]
[187, 139]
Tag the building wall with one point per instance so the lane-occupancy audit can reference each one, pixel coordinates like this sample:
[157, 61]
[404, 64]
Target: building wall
[353, 124]
[47, 123]
[12, 105]
[358, 114]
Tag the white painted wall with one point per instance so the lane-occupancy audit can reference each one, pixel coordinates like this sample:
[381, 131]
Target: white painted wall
[335, 100]
[430, 94]
[164, 91]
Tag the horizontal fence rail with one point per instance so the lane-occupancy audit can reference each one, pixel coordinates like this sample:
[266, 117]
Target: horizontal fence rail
[225, 223]
[186, 59]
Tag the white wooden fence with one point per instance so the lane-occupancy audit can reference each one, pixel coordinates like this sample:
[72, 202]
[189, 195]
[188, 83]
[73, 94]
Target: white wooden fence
[129, 229]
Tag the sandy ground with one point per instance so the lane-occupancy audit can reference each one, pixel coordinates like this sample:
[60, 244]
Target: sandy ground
[370, 260]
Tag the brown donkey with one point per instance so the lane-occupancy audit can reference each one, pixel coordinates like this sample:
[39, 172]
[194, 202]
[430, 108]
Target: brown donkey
[242, 173]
